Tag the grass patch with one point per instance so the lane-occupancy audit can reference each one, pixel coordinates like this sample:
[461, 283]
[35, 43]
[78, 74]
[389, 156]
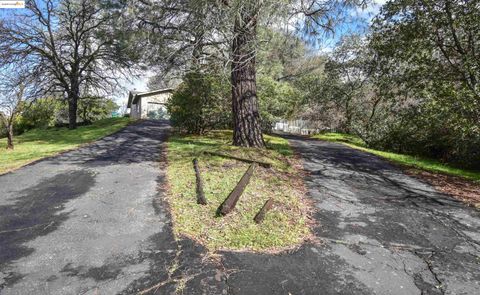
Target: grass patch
[39, 143]
[285, 225]
[341, 137]
[421, 163]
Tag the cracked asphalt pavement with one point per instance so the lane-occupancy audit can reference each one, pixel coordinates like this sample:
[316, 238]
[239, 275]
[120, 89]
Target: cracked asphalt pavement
[92, 221]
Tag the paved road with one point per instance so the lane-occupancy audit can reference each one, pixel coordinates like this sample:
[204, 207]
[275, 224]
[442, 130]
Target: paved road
[92, 222]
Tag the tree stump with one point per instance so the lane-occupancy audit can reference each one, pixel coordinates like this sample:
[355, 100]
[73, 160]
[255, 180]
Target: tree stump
[229, 204]
[199, 184]
[263, 211]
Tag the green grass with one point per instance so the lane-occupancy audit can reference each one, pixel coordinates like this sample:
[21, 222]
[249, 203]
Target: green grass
[341, 137]
[421, 163]
[285, 225]
[39, 143]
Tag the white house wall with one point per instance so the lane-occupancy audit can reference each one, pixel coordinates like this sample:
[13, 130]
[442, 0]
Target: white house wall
[135, 111]
[140, 110]
[161, 98]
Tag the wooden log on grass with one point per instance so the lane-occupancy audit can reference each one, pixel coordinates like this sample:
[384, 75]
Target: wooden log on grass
[229, 204]
[199, 184]
[263, 211]
[250, 161]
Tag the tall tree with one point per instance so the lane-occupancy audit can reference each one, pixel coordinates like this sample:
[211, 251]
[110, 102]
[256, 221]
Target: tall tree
[246, 116]
[67, 44]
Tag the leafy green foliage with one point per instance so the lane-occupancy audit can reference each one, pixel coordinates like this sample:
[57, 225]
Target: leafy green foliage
[411, 86]
[47, 112]
[39, 114]
[278, 100]
[93, 108]
[429, 76]
[200, 103]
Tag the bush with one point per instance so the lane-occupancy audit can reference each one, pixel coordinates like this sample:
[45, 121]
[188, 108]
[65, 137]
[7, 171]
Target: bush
[432, 130]
[200, 103]
[94, 108]
[41, 113]
[277, 100]
[3, 130]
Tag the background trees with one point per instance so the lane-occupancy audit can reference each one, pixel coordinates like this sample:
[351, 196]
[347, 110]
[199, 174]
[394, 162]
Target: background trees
[340, 93]
[429, 65]
[410, 84]
[189, 34]
[68, 46]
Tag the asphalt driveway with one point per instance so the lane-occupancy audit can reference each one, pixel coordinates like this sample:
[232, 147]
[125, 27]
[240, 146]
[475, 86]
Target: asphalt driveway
[92, 221]
[379, 231]
[86, 221]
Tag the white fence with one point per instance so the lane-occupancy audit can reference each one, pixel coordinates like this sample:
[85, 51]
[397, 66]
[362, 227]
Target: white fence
[304, 127]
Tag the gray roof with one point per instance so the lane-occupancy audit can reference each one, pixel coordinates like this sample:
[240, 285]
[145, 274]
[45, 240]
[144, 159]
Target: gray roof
[134, 96]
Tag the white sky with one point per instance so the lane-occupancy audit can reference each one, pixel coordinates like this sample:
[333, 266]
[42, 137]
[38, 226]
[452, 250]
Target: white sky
[139, 84]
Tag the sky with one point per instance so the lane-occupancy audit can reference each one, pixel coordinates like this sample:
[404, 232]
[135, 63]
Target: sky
[360, 19]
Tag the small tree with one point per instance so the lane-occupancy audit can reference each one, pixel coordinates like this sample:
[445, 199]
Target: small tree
[11, 102]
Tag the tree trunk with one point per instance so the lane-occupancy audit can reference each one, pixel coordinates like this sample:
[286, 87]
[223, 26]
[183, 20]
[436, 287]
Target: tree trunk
[72, 113]
[10, 136]
[348, 117]
[246, 118]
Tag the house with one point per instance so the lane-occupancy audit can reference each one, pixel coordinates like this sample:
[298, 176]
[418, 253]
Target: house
[150, 104]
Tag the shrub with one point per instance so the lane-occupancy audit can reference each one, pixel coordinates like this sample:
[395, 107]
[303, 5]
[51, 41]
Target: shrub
[277, 100]
[94, 108]
[200, 103]
[41, 113]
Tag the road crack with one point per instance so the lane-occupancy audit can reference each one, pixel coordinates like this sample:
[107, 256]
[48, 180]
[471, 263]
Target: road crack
[428, 262]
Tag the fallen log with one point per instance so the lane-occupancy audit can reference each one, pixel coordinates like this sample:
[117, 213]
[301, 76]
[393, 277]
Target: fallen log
[263, 211]
[229, 204]
[199, 184]
[250, 161]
